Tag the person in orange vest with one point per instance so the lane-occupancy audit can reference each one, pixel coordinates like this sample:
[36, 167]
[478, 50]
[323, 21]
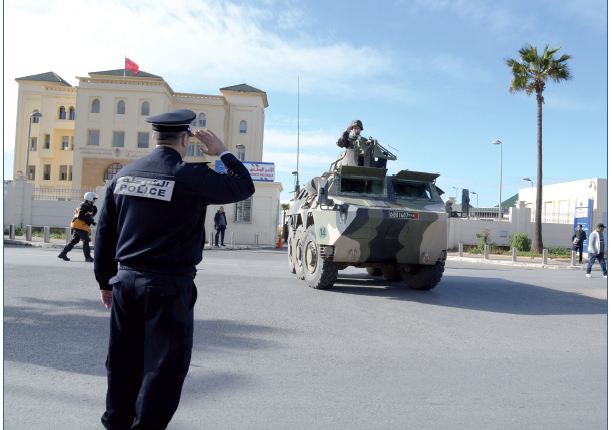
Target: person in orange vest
[83, 218]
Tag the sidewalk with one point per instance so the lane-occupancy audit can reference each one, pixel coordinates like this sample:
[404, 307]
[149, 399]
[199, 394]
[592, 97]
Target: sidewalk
[536, 263]
[60, 243]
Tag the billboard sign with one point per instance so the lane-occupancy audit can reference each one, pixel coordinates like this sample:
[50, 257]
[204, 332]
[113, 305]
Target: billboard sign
[583, 215]
[258, 171]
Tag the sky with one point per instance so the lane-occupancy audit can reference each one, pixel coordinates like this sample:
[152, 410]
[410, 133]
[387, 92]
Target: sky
[426, 77]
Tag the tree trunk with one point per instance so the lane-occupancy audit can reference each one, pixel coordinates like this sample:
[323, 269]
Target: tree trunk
[537, 246]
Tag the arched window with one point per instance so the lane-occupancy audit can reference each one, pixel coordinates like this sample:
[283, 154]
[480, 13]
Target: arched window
[62, 112]
[145, 109]
[121, 108]
[95, 106]
[71, 113]
[111, 171]
[202, 120]
[243, 127]
[35, 119]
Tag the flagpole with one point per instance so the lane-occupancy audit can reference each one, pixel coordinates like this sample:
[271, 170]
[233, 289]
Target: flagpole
[124, 57]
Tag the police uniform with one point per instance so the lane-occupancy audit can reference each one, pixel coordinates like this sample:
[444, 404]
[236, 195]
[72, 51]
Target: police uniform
[152, 224]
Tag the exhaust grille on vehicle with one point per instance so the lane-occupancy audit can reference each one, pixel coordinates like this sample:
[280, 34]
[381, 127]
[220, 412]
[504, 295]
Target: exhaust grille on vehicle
[326, 252]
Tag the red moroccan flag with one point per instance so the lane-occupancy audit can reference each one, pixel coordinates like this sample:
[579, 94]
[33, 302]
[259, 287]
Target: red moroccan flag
[130, 65]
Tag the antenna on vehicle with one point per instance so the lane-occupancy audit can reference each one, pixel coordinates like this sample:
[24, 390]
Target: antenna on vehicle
[297, 170]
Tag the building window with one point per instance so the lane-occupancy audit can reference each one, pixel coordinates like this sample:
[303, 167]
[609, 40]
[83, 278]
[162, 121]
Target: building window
[72, 143]
[63, 173]
[191, 149]
[121, 108]
[33, 144]
[118, 139]
[202, 120]
[111, 171]
[95, 106]
[71, 114]
[241, 152]
[31, 173]
[198, 152]
[35, 119]
[243, 127]
[62, 112]
[94, 138]
[242, 211]
[70, 173]
[47, 141]
[47, 172]
[143, 140]
[145, 109]
[65, 143]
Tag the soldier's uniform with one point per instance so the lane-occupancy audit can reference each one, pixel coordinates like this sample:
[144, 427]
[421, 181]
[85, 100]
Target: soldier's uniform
[152, 223]
[360, 147]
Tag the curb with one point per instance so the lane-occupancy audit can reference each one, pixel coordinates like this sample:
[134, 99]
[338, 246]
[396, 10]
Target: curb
[79, 246]
[517, 264]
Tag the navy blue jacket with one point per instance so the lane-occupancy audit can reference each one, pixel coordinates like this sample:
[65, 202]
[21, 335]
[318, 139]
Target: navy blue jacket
[152, 217]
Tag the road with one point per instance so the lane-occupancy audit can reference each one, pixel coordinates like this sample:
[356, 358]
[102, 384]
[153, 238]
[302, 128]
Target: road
[488, 348]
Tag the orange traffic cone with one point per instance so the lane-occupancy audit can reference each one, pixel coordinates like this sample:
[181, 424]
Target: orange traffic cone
[280, 242]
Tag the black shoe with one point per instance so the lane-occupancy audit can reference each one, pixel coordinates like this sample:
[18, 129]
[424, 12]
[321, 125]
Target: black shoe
[88, 260]
[63, 257]
[222, 245]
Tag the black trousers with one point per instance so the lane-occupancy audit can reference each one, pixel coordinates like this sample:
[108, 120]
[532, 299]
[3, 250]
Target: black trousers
[151, 337]
[78, 235]
[578, 249]
[220, 231]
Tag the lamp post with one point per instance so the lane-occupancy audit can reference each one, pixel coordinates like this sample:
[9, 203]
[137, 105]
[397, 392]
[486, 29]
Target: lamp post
[527, 179]
[497, 142]
[456, 189]
[36, 115]
[477, 205]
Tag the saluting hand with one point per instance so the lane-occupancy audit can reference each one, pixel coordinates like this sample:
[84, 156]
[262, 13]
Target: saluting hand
[212, 144]
[349, 128]
[107, 298]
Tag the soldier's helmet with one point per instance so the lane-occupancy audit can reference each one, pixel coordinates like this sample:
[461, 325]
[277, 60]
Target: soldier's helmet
[357, 123]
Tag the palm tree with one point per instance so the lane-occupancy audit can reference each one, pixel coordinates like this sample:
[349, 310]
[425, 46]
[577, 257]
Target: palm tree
[285, 207]
[529, 75]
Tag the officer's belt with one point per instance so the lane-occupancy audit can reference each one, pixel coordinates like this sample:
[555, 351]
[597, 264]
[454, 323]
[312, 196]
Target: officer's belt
[156, 268]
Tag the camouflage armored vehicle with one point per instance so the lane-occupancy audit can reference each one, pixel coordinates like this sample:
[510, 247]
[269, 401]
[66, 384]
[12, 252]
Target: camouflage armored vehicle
[356, 215]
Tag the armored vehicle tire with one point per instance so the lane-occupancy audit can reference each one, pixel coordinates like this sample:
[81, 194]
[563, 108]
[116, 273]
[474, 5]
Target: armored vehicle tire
[374, 271]
[422, 277]
[392, 274]
[320, 274]
[290, 252]
[297, 253]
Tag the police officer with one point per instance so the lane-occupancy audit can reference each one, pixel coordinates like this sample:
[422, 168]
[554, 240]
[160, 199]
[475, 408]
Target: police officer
[151, 223]
[83, 218]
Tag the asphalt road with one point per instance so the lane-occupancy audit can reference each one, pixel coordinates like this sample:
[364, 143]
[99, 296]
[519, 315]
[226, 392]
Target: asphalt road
[489, 348]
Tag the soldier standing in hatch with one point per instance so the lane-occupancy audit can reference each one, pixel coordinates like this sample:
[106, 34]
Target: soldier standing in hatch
[345, 140]
[83, 218]
[152, 223]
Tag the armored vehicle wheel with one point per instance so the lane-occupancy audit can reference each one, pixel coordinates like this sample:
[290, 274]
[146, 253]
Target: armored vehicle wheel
[422, 277]
[320, 274]
[374, 271]
[392, 274]
[297, 253]
[290, 252]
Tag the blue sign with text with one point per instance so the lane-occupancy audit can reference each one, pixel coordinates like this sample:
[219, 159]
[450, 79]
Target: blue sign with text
[583, 215]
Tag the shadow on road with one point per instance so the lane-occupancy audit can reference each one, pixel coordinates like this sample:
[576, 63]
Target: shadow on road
[477, 293]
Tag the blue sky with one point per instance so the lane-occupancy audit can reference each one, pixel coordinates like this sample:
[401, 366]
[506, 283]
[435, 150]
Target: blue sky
[425, 76]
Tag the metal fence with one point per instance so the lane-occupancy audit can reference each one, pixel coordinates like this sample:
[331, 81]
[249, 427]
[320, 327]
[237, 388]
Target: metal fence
[489, 214]
[62, 194]
[555, 217]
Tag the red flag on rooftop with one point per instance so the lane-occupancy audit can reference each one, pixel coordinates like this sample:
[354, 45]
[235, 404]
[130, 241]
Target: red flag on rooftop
[130, 65]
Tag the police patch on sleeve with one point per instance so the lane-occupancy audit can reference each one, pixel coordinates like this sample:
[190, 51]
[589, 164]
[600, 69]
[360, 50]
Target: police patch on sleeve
[160, 189]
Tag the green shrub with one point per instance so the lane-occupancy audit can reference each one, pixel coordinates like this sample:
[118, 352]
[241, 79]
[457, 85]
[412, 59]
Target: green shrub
[520, 241]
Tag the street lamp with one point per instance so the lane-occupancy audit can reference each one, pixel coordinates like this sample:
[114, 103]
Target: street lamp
[477, 205]
[527, 179]
[497, 142]
[35, 114]
[457, 188]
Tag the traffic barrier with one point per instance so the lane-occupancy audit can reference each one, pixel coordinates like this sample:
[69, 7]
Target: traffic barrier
[545, 256]
[28, 233]
[233, 242]
[93, 235]
[461, 250]
[280, 242]
[486, 252]
[256, 241]
[12, 231]
[68, 234]
[514, 255]
[211, 238]
[47, 234]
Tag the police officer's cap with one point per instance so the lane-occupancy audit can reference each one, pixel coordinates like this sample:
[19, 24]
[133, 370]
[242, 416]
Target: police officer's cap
[173, 121]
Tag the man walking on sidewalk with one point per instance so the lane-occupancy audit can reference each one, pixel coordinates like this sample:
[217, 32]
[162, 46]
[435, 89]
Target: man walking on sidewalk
[578, 241]
[220, 226]
[597, 247]
[83, 218]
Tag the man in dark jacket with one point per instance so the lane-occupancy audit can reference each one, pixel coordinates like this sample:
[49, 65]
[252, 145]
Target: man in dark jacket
[578, 241]
[83, 218]
[220, 226]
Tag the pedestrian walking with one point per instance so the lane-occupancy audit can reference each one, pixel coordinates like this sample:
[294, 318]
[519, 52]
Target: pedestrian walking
[83, 218]
[578, 241]
[286, 231]
[151, 223]
[597, 247]
[220, 226]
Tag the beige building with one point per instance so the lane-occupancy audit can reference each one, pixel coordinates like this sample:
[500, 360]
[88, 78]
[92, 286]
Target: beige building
[88, 132]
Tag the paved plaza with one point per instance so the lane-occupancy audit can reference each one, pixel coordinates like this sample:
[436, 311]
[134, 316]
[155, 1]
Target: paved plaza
[491, 347]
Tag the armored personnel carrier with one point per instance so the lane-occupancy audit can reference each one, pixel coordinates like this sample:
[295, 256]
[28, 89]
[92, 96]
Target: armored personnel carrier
[357, 215]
